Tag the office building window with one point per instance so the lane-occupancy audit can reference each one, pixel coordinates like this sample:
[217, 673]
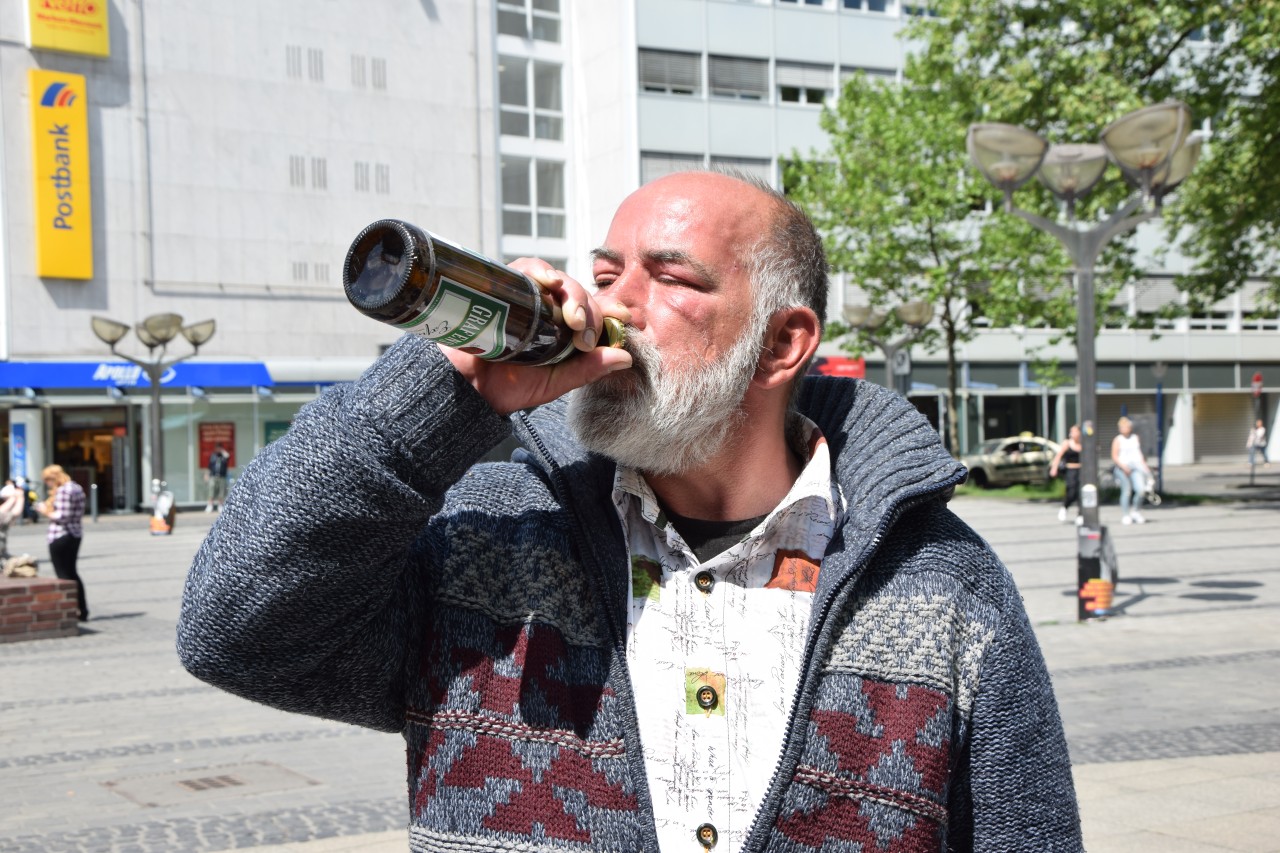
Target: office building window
[382, 178]
[293, 61]
[299, 270]
[801, 83]
[358, 69]
[802, 2]
[538, 19]
[556, 263]
[297, 170]
[522, 83]
[757, 168]
[869, 5]
[362, 177]
[848, 71]
[315, 64]
[737, 77]
[654, 165]
[670, 72]
[379, 73]
[533, 197]
[319, 173]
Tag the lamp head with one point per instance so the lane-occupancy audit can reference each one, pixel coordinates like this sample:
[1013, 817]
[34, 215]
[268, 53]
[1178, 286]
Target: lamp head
[1005, 154]
[149, 340]
[162, 327]
[916, 313]
[1071, 170]
[864, 317]
[108, 331]
[1142, 142]
[1180, 165]
[198, 334]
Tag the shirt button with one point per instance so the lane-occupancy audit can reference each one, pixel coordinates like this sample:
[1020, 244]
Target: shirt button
[707, 698]
[707, 836]
[704, 581]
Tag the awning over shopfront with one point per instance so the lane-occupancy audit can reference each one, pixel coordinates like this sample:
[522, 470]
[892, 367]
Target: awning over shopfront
[123, 374]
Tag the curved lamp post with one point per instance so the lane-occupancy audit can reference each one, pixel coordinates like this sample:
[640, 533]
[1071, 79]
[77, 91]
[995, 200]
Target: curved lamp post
[155, 331]
[915, 315]
[1155, 151]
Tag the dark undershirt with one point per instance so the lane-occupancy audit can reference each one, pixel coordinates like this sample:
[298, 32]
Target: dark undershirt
[705, 538]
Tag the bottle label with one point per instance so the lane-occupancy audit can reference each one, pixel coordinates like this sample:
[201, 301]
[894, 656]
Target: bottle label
[464, 319]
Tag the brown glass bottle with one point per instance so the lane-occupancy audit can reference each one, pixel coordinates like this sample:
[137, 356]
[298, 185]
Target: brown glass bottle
[411, 279]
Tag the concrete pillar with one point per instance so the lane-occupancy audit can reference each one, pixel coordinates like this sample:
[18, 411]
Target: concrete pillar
[1180, 440]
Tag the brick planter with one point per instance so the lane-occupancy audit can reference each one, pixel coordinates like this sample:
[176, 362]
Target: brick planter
[37, 609]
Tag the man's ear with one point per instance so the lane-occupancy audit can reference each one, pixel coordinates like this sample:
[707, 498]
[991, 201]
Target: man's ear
[790, 340]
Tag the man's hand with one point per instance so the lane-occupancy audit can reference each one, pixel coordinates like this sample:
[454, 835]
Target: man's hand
[509, 388]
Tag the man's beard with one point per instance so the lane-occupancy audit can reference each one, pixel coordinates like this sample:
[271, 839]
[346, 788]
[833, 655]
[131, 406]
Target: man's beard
[661, 420]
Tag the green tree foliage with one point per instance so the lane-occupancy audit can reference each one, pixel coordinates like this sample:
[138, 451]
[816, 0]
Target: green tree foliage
[905, 218]
[1066, 68]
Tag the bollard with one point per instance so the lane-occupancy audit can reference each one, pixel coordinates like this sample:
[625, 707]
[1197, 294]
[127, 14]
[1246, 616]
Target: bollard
[93, 501]
[1097, 574]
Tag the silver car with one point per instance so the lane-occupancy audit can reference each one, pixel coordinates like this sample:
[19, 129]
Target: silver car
[1005, 461]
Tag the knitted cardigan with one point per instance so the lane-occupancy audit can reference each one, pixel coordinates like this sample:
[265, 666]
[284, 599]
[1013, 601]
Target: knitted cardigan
[365, 569]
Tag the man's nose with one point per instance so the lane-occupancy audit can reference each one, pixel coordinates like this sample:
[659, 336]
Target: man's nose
[632, 291]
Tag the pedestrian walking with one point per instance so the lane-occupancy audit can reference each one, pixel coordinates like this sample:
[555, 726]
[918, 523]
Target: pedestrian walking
[1256, 443]
[65, 510]
[216, 476]
[1067, 461]
[710, 603]
[1131, 472]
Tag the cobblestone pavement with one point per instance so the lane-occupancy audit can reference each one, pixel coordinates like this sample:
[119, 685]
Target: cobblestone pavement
[109, 746]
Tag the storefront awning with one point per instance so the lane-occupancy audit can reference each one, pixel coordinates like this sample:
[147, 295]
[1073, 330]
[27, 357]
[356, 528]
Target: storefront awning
[123, 374]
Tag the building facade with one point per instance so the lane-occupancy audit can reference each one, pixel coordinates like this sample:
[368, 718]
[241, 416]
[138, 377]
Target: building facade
[235, 149]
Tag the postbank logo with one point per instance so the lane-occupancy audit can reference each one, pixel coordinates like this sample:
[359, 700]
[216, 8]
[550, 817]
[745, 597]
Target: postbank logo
[60, 152]
[73, 26]
[58, 95]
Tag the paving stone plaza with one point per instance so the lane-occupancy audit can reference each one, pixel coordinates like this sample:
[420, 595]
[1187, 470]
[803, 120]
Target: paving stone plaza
[1172, 707]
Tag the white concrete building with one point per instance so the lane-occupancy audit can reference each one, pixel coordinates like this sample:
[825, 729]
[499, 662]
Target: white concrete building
[236, 148]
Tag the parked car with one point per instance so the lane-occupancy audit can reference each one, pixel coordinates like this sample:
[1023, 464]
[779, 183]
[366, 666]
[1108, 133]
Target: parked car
[1005, 461]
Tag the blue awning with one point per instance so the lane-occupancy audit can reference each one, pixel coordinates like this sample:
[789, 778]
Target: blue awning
[123, 374]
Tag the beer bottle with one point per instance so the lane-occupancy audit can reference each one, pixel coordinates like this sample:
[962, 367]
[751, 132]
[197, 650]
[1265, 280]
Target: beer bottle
[414, 280]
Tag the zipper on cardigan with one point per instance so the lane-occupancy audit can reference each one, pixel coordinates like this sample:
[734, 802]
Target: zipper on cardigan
[626, 698]
[772, 797]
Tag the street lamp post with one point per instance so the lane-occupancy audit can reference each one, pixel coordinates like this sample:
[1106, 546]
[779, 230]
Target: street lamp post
[1154, 150]
[1158, 370]
[915, 315]
[155, 332]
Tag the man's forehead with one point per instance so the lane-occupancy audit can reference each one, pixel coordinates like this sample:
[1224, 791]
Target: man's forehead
[685, 216]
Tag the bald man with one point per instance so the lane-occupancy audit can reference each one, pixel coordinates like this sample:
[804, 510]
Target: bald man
[710, 604]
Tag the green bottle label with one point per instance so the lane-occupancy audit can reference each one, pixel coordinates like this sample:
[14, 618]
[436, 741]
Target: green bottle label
[464, 319]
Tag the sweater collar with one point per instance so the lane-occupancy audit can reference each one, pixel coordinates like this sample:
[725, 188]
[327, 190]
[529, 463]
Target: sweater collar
[883, 450]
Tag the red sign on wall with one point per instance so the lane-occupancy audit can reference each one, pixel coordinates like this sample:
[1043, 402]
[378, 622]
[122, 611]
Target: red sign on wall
[855, 368]
[213, 434]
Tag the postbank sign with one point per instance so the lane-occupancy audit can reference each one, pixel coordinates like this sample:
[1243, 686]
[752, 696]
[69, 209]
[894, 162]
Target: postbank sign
[72, 26]
[60, 152]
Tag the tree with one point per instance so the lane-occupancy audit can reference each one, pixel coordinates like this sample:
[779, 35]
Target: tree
[904, 216]
[1068, 67]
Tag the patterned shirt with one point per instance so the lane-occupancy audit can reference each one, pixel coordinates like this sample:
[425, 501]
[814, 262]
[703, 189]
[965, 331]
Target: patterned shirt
[715, 648]
[68, 511]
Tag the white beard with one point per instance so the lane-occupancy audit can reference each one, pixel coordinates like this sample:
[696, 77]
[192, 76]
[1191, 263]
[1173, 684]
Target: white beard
[663, 421]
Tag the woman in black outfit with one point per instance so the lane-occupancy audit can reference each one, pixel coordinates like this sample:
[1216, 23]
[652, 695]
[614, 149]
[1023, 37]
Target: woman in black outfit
[1068, 458]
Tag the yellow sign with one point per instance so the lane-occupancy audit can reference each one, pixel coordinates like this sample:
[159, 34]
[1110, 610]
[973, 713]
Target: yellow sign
[74, 26]
[60, 151]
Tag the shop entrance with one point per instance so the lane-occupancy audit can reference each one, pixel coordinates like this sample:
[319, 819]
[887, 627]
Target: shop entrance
[92, 444]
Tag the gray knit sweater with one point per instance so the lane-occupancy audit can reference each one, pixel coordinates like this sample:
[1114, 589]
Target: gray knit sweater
[365, 569]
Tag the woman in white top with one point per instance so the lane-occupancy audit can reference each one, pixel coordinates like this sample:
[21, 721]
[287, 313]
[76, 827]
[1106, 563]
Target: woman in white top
[1257, 441]
[1131, 471]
